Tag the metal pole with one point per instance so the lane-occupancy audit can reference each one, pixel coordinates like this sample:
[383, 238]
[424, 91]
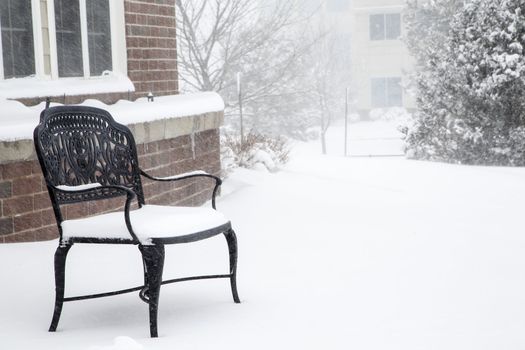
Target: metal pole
[346, 121]
[239, 90]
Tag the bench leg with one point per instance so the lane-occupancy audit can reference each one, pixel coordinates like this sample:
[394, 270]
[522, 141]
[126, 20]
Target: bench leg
[153, 259]
[60, 271]
[232, 248]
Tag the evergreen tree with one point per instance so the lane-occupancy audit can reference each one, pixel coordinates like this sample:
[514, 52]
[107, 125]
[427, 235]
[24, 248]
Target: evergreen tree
[470, 81]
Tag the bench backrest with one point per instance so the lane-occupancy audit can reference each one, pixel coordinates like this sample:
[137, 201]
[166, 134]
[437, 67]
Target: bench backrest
[78, 145]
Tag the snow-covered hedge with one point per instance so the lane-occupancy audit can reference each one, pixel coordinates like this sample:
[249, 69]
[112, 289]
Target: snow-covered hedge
[470, 81]
[255, 151]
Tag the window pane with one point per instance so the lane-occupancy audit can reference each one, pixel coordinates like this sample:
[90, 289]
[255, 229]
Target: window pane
[378, 92]
[17, 38]
[99, 35]
[393, 26]
[394, 92]
[69, 42]
[377, 27]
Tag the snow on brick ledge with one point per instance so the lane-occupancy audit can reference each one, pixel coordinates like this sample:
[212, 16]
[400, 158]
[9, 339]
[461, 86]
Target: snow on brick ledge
[166, 117]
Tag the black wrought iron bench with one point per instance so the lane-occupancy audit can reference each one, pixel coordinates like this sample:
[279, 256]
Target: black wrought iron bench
[86, 156]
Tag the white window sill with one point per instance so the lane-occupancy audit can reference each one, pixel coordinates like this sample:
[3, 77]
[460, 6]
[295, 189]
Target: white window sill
[32, 87]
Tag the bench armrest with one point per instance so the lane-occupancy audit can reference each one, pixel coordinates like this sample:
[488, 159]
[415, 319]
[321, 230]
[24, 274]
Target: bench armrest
[188, 175]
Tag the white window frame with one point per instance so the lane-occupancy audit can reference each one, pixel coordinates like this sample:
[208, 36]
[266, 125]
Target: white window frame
[45, 84]
[1, 56]
[37, 37]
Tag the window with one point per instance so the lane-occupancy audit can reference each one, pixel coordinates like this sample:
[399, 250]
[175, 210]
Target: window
[385, 26]
[386, 92]
[18, 55]
[62, 47]
[61, 38]
[74, 59]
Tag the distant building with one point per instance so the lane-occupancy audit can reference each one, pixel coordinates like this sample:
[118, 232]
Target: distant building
[380, 60]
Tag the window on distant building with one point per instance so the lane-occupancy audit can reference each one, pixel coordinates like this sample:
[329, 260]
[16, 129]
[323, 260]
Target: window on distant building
[58, 38]
[385, 26]
[18, 53]
[386, 92]
[337, 5]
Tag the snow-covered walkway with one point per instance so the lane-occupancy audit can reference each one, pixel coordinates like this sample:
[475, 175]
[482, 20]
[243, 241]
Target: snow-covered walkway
[335, 253]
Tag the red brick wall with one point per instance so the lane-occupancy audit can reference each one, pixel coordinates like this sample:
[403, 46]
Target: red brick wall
[25, 210]
[151, 45]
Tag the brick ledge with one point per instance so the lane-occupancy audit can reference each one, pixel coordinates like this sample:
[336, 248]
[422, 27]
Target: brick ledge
[144, 132]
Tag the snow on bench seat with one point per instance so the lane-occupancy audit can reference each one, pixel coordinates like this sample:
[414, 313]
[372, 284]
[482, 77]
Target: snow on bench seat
[150, 221]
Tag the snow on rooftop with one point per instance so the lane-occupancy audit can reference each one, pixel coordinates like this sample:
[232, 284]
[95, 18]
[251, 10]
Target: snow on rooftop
[18, 121]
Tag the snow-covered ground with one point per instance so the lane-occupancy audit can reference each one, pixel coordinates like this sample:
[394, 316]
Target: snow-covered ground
[335, 253]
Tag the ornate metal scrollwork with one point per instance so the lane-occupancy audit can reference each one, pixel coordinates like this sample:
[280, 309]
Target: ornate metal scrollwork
[82, 148]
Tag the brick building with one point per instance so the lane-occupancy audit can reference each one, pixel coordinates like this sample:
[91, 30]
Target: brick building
[101, 51]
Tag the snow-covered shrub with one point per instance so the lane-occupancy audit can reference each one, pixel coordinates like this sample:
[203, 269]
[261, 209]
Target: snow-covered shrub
[254, 150]
[470, 81]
